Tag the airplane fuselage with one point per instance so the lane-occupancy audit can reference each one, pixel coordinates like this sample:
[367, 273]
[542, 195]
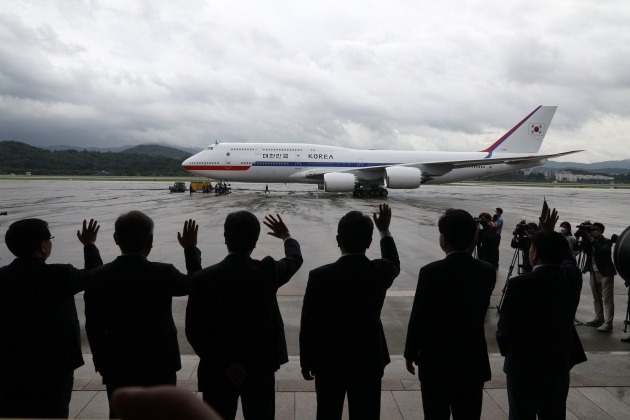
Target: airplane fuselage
[339, 169]
[302, 163]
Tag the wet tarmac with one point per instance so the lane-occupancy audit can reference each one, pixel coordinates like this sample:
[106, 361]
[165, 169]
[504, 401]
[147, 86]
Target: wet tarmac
[312, 218]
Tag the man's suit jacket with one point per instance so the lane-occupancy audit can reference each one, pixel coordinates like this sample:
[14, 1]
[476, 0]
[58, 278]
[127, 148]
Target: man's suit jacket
[600, 251]
[233, 314]
[341, 330]
[535, 330]
[39, 327]
[446, 335]
[488, 245]
[128, 318]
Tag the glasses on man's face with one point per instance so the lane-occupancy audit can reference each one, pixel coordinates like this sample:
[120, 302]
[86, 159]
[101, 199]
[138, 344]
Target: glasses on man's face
[51, 239]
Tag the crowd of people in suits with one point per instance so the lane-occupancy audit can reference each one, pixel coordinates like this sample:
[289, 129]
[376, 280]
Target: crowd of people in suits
[233, 321]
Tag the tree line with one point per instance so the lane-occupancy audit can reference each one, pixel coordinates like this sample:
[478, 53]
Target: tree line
[19, 158]
[519, 176]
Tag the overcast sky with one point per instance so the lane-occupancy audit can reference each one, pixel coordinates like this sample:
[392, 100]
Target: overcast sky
[445, 75]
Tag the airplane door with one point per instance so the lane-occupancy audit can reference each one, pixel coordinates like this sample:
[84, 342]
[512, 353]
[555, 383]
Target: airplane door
[228, 160]
[298, 162]
[359, 163]
[256, 168]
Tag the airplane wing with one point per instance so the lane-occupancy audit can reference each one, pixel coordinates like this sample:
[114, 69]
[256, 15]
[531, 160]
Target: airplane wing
[435, 168]
[443, 167]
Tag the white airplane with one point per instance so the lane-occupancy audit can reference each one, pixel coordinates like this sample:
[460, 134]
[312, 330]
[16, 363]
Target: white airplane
[370, 172]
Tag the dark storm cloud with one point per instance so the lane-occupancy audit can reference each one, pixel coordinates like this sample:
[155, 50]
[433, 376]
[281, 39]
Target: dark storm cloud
[376, 75]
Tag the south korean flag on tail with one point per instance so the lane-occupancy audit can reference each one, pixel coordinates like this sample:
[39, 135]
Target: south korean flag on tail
[537, 129]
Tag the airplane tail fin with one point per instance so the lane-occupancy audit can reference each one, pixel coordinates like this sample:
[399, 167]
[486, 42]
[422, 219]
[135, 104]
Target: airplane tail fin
[526, 136]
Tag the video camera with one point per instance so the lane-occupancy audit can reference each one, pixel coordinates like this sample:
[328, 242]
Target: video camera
[520, 229]
[583, 228]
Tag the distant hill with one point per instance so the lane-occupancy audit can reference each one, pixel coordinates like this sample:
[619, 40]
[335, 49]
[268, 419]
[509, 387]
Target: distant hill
[143, 149]
[158, 150]
[60, 147]
[18, 158]
[609, 166]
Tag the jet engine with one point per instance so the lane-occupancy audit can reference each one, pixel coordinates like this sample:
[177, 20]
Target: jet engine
[339, 182]
[403, 177]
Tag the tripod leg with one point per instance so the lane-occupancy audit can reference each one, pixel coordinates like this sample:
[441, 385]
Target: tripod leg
[627, 321]
[515, 260]
[502, 296]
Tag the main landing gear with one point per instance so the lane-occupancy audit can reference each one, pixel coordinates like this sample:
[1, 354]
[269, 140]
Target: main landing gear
[369, 191]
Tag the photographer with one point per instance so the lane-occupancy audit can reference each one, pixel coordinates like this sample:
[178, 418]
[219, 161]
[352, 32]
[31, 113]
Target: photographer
[487, 240]
[599, 263]
[522, 240]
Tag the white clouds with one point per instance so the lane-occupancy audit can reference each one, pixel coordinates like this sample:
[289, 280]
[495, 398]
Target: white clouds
[377, 74]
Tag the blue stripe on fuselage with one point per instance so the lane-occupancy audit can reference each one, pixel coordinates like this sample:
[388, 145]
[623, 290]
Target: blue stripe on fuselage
[323, 164]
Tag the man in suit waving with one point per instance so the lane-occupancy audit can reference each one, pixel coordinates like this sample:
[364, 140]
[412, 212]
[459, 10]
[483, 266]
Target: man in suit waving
[342, 343]
[233, 320]
[128, 317]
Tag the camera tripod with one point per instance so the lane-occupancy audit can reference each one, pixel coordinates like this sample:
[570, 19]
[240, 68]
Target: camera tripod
[580, 260]
[516, 262]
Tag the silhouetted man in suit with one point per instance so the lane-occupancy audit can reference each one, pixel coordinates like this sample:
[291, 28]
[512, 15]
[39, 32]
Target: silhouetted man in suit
[599, 263]
[233, 320]
[539, 342]
[128, 318]
[488, 240]
[342, 343]
[40, 344]
[446, 338]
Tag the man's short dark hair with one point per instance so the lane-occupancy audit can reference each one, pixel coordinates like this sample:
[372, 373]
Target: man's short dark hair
[551, 247]
[355, 231]
[598, 226]
[133, 231]
[499, 210]
[241, 230]
[25, 236]
[458, 227]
